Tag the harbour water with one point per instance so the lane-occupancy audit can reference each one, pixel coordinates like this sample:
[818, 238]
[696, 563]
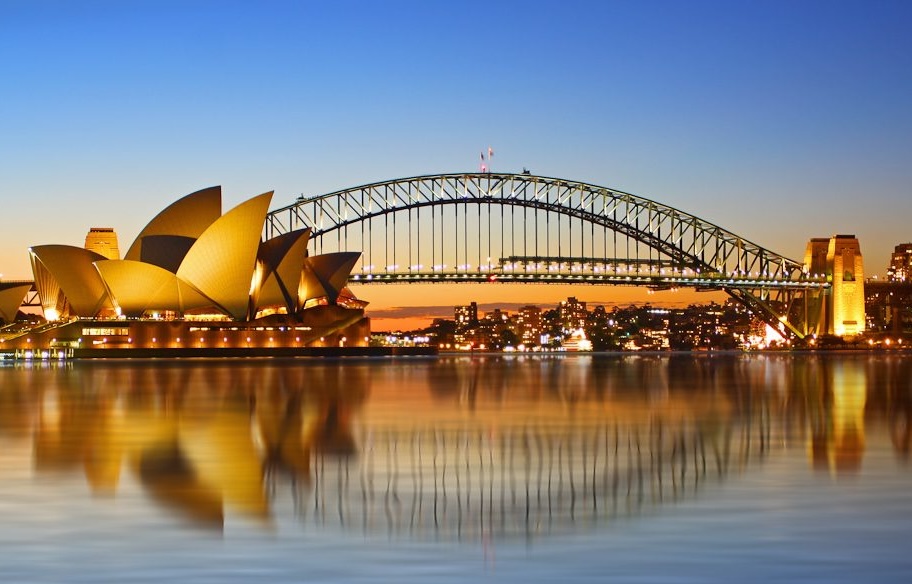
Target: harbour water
[632, 468]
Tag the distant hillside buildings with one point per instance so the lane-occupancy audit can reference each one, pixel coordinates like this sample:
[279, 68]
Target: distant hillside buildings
[900, 268]
[571, 326]
[888, 304]
[870, 311]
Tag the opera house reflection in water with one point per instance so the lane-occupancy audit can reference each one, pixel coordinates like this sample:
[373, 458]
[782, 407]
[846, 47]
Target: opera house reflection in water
[461, 448]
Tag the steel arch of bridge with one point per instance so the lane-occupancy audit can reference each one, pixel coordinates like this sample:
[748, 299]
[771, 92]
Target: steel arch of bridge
[567, 229]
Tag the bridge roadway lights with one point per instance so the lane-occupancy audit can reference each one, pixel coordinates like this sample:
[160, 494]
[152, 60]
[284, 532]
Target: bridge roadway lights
[705, 283]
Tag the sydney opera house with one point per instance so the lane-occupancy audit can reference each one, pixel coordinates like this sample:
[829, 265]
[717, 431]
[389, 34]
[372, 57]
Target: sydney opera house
[194, 281]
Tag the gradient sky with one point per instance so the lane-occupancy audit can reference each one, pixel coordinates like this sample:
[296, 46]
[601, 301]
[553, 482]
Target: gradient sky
[779, 121]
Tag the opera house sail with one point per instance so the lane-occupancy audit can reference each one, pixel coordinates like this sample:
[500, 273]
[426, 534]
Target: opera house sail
[197, 279]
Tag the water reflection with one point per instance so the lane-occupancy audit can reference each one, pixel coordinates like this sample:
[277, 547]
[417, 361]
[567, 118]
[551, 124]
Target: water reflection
[454, 447]
[199, 439]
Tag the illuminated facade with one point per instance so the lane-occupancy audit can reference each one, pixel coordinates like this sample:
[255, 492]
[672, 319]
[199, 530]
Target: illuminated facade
[839, 258]
[529, 325]
[844, 255]
[900, 269]
[815, 255]
[103, 241]
[11, 296]
[572, 314]
[466, 315]
[197, 277]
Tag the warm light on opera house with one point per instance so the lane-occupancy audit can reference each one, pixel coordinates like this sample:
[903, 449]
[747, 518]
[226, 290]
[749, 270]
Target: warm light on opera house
[196, 279]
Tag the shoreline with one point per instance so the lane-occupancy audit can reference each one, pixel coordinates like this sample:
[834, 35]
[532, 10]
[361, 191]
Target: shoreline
[169, 353]
[164, 353]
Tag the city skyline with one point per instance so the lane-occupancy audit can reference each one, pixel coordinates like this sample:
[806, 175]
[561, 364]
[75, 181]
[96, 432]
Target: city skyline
[779, 122]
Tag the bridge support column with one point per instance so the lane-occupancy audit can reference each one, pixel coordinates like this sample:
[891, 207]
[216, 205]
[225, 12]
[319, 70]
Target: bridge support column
[839, 258]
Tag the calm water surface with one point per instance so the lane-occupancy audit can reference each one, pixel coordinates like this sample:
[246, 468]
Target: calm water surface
[576, 468]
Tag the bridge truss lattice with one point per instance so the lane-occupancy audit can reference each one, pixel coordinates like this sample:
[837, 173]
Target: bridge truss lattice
[485, 227]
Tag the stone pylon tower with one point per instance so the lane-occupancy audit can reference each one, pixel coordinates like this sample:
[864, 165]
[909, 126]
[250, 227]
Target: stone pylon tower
[839, 258]
[103, 241]
[847, 310]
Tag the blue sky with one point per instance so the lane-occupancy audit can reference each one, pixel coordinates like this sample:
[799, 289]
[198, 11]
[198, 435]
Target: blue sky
[780, 121]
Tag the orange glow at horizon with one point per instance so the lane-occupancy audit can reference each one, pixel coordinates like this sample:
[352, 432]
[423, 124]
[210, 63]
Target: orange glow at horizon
[408, 307]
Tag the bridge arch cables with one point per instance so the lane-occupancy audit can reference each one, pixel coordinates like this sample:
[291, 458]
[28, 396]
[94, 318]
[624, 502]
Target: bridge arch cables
[478, 227]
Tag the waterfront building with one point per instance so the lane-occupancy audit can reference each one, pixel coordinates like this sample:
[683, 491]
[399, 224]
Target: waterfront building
[576, 341]
[888, 308]
[12, 295]
[195, 277]
[474, 338]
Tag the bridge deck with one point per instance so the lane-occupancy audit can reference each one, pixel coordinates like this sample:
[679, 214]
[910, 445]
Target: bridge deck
[705, 282]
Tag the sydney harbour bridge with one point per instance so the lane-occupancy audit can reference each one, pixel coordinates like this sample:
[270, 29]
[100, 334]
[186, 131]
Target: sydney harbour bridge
[522, 228]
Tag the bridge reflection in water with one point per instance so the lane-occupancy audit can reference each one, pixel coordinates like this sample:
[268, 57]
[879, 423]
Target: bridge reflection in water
[454, 448]
[524, 480]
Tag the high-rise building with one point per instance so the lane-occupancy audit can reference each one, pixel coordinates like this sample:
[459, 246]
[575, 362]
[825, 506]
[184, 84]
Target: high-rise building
[900, 269]
[572, 314]
[529, 325]
[103, 241]
[466, 315]
[497, 317]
